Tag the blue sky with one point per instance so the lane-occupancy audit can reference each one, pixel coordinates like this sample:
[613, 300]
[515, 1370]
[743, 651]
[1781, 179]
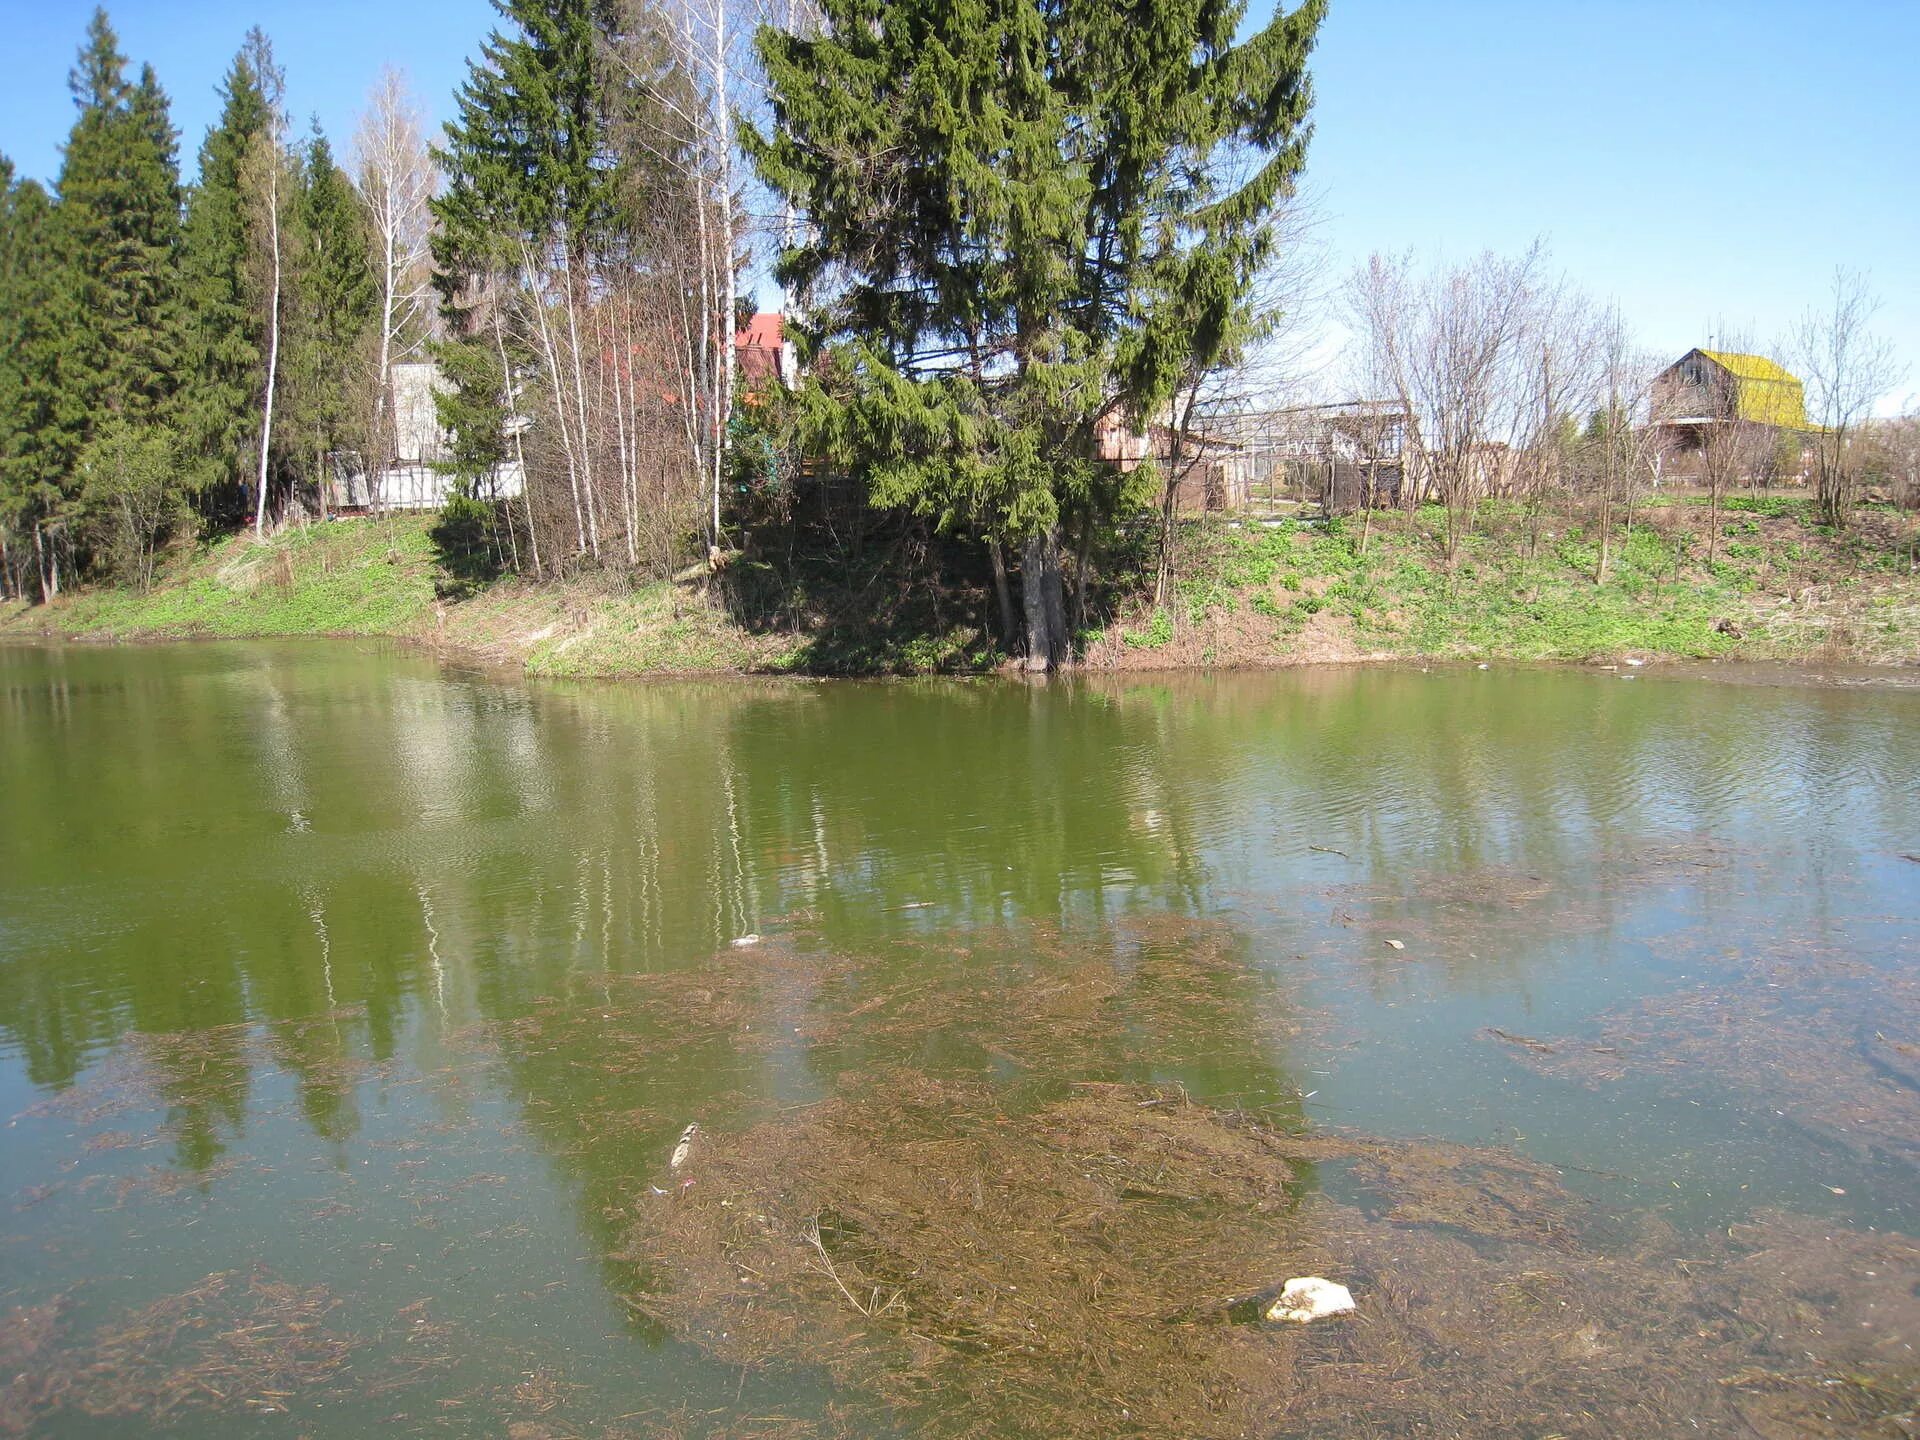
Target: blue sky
[1704, 162]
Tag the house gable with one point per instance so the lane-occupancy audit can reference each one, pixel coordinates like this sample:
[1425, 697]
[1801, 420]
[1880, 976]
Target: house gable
[1728, 385]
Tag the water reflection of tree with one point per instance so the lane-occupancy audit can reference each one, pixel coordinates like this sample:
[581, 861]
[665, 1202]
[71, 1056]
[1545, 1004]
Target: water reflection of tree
[1581, 778]
[265, 835]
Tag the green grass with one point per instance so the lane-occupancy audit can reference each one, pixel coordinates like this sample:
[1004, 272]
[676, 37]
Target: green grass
[363, 577]
[1248, 592]
[1157, 635]
[1503, 597]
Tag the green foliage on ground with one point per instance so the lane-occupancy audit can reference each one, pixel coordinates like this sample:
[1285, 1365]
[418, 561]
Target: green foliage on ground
[361, 577]
[1244, 592]
[1530, 594]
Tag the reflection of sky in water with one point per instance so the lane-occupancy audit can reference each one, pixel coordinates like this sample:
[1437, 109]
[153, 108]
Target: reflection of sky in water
[230, 837]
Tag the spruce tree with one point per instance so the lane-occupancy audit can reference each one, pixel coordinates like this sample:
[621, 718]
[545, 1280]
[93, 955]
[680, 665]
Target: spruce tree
[1033, 215]
[32, 331]
[119, 216]
[158, 350]
[334, 310]
[223, 333]
[531, 194]
[527, 156]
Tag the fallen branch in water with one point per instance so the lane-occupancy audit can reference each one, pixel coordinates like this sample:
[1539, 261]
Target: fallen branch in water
[812, 1236]
[1538, 1046]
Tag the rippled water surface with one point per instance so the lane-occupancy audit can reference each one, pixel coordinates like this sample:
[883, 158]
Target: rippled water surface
[351, 1008]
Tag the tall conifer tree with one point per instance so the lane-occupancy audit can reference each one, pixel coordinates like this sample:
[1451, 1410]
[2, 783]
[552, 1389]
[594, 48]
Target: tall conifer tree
[1034, 215]
[334, 311]
[31, 333]
[225, 369]
[527, 156]
[157, 351]
[119, 216]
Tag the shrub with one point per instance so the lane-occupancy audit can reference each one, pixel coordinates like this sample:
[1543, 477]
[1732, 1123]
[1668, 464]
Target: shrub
[129, 506]
[1159, 632]
[465, 556]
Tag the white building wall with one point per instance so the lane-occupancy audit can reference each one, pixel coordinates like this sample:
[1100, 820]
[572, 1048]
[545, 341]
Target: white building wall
[421, 444]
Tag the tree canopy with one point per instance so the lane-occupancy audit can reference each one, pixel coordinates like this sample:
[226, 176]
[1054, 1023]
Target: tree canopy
[1025, 218]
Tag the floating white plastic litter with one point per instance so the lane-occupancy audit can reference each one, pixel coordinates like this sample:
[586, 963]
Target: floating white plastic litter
[685, 1147]
[1311, 1298]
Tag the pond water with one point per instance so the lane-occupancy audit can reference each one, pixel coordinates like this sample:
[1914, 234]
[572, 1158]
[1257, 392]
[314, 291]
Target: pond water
[352, 1008]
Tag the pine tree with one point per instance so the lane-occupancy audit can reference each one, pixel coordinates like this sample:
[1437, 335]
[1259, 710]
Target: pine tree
[224, 330]
[1036, 214]
[119, 217]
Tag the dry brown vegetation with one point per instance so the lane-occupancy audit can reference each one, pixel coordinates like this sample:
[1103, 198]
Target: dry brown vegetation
[1090, 1259]
[234, 1341]
[1098, 1266]
[999, 1218]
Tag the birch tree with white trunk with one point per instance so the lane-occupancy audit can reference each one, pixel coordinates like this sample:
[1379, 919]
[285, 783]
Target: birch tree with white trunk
[271, 186]
[396, 179]
[694, 60]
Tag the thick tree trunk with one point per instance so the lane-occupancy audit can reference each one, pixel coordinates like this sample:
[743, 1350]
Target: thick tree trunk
[1044, 599]
[1009, 629]
[1082, 566]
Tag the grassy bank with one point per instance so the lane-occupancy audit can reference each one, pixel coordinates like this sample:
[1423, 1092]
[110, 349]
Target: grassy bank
[1247, 593]
[381, 577]
[1778, 587]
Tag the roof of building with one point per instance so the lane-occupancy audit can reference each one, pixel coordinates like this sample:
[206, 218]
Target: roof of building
[757, 348]
[1765, 392]
[763, 332]
[1750, 367]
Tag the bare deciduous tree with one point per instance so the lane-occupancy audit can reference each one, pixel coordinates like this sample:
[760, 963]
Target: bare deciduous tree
[693, 60]
[1892, 452]
[1847, 369]
[396, 179]
[1561, 359]
[1898, 441]
[1451, 343]
[1619, 446]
